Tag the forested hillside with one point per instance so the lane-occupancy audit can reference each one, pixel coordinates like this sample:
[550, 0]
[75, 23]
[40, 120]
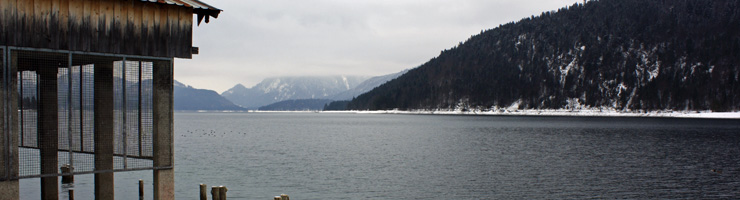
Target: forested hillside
[618, 54]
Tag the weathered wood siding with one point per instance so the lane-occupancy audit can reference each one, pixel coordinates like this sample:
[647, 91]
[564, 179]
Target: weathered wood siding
[129, 27]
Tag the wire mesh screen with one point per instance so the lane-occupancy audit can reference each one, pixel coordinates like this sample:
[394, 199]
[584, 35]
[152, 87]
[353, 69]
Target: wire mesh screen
[57, 100]
[133, 114]
[28, 137]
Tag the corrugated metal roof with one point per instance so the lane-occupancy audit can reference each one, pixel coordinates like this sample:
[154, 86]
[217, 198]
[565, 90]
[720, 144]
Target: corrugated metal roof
[195, 4]
[201, 9]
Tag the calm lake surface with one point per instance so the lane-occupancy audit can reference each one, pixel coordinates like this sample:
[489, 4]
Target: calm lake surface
[377, 156]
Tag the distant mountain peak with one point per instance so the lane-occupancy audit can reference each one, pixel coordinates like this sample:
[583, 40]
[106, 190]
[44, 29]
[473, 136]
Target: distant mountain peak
[188, 98]
[275, 89]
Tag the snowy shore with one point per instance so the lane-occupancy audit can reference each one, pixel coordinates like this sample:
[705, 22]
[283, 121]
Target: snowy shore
[562, 112]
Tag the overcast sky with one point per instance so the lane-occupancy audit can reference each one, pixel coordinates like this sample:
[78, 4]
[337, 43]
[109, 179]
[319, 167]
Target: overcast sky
[256, 39]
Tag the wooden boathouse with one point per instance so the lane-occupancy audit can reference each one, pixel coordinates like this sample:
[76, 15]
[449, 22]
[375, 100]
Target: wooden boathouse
[88, 84]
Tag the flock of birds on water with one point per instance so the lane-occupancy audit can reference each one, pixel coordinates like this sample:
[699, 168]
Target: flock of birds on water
[209, 133]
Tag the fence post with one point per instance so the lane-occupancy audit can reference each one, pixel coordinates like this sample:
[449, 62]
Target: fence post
[71, 193]
[203, 192]
[215, 193]
[141, 189]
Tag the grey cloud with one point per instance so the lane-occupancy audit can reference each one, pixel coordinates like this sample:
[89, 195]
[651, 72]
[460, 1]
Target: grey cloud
[254, 39]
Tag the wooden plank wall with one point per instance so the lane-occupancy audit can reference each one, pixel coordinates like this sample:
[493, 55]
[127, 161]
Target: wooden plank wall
[127, 27]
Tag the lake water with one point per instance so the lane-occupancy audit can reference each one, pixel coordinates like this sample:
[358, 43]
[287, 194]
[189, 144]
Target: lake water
[376, 156]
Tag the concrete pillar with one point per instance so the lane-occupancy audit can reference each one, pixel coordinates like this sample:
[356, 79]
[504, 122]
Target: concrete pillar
[163, 137]
[103, 135]
[9, 190]
[48, 131]
[9, 187]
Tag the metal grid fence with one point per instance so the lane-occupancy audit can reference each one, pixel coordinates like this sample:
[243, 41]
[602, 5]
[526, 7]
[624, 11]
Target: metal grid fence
[65, 82]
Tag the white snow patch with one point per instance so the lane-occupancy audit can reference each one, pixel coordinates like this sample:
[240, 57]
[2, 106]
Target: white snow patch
[514, 106]
[564, 71]
[346, 83]
[621, 88]
[591, 112]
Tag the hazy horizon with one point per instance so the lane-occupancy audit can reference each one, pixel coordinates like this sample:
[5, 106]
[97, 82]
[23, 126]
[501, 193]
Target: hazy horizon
[254, 40]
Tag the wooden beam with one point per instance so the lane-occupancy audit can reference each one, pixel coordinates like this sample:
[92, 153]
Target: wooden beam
[186, 31]
[173, 31]
[5, 18]
[116, 29]
[53, 25]
[159, 27]
[104, 136]
[104, 24]
[136, 23]
[63, 19]
[41, 19]
[76, 11]
[48, 129]
[25, 11]
[88, 25]
[148, 29]
[95, 25]
[11, 189]
[127, 16]
[8, 21]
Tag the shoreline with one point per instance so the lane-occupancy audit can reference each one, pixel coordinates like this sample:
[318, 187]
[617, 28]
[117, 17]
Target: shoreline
[563, 113]
[548, 112]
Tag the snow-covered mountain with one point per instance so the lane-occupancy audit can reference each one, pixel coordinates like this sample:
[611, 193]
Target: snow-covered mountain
[366, 85]
[188, 98]
[277, 89]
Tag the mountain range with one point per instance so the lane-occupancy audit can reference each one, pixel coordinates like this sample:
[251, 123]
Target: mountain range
[272, 90]
[627, 55]
[189, 98]
[303, 93]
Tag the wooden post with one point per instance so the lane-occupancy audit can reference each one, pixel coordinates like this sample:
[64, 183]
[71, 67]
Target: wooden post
[284, 197]
[141, 189]
[71, 193]
[203, 192]
[103, 133]
[67, 168]
[215, 193]
[48, 130]
[9, 189]
[222, 191]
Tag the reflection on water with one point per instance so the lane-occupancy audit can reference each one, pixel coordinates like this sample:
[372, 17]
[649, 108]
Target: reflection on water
[360, 156]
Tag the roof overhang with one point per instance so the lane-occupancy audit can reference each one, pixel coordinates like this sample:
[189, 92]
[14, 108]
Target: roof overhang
[203, 10]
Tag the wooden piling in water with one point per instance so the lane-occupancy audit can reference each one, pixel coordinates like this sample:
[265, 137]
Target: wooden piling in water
[277, 198]
[141, 189]
[66, 169]
[222, 192]
[284, 197]
[215, 193]
[203, 192]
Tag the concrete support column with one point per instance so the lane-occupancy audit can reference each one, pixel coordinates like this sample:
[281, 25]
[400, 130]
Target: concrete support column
[163, 137]
[9, 188]
[48, 131]
[103, 135]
